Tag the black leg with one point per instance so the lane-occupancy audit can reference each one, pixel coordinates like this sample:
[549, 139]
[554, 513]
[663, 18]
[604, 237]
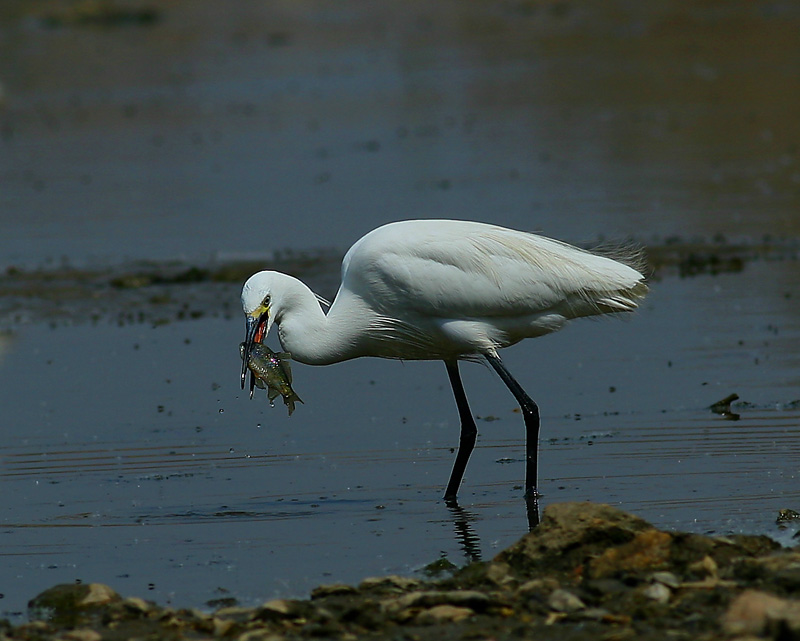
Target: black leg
[530, 412]
[468, 432]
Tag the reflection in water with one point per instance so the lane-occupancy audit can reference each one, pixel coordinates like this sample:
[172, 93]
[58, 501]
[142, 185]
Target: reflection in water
[468, 540]
[462, 524]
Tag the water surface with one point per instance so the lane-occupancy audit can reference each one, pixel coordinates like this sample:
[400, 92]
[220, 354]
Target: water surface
[130, 454]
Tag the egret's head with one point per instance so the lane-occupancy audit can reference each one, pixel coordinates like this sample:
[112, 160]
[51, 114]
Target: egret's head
[257, 303]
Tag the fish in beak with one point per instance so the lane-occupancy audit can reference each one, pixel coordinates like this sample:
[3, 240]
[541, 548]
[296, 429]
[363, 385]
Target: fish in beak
[258, 324]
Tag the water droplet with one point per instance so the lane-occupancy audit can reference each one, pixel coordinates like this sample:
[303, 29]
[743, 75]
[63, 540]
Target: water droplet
[221, 411]
[258, 426]
[230, 451]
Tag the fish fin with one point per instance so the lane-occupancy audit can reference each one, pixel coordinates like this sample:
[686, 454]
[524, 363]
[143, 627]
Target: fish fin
[290, 399]
[272, 394]
[287, 370]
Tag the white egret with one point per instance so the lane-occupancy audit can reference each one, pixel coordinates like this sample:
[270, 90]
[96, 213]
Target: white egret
[444, 290]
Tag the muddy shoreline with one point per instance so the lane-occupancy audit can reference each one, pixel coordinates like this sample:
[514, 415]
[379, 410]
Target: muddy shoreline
[161, 292]
[590, 571]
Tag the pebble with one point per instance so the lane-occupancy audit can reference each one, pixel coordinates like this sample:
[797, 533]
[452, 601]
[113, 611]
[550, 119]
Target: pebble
[333, 589]
[238, 613]
[595, 614]
[443, 614]
[666, 578]
[391, 583]
[83, 634]
[274, 610]
[564, 601]
[461, 598]
[499, 573]
[705, 568]
[545, 584]
[260, 635]
[137, 604]
[648, 550]
[98, 594]
[787, 515]
[222, 626]
[614, 572]
[658, 592]
[757, 613]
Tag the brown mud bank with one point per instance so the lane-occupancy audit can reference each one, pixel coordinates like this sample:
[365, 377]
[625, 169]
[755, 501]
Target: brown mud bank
[588, 572]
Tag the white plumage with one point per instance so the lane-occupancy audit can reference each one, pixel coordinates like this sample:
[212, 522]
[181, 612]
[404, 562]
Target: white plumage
[442, 290]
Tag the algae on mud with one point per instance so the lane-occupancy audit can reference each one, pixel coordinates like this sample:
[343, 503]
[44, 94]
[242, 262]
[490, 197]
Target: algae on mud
[164, 291]
[589, 571]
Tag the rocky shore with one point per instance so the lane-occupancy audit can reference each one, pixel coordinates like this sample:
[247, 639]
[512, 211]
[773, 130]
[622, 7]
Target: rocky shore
[587, 572]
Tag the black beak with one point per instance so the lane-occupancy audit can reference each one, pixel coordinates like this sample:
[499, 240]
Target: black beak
[247, 346]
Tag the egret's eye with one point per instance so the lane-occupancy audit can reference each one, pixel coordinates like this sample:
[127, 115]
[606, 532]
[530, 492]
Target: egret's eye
[266, 301]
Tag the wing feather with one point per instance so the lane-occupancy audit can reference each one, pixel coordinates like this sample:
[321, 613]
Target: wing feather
[453, 269]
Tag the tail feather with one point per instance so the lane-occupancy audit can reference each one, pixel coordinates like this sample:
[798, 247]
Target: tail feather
[625, 300]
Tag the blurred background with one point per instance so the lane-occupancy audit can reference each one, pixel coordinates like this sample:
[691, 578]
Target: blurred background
[155, 152]
[193, 128]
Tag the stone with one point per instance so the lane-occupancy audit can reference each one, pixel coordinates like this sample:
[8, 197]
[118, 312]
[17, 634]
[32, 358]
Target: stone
[238, 613]
[391, 583]
[568, 533]
[83, 634]
[564, 601]
[137, 604]
[279, 609]
[260, 635]
[648, 550]
[666, 578]
[222, 627]
[333, 589]
[67, 603]
[545, 584]
[472, 599]
[443, 614]
[658, 592]
[705, 568]
[757, 613]
[98, 594]
[499, 573]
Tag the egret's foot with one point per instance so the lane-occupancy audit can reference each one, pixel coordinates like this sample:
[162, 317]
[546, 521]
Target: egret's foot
[450, 500]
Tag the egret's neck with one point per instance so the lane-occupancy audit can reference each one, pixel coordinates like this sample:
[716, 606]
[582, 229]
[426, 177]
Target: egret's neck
[311, 336]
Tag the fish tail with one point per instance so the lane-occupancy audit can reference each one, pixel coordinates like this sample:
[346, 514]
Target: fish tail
[290, 399]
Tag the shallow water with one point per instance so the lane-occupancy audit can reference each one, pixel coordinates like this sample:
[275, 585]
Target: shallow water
[130, 454]
[132, 457]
